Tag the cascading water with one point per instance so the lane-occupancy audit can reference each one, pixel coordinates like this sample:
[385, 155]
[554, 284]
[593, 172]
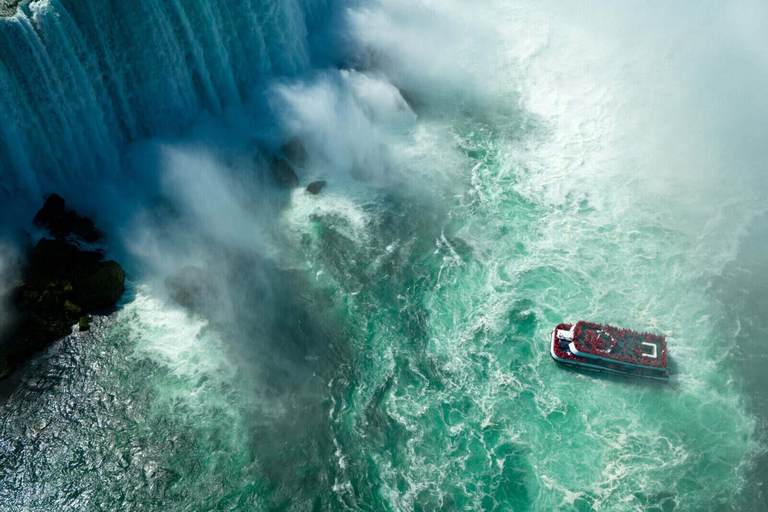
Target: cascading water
[492, 170]
[80, 79]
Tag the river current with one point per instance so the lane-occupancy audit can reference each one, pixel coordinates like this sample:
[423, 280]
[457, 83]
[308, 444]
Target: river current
[493, 170]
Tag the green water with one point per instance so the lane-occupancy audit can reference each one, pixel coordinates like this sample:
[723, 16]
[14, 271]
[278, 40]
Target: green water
[384, 345]
[407, 370]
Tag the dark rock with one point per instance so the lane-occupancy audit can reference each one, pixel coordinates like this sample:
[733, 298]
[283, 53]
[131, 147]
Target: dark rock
[53, 208]
[71, 307]
[283, 174]
[60, 284]
[62, 223]
[315, 187]
[83, 227]
[101, 287]
[295, 152]
[51, 258]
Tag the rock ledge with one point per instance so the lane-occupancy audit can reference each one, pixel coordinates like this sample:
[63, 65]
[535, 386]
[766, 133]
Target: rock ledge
[60, 285]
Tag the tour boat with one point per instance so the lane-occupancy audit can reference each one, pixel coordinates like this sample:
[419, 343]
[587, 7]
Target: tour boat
[609, 349]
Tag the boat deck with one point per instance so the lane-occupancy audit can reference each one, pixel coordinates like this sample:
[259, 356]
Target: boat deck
[610, 350]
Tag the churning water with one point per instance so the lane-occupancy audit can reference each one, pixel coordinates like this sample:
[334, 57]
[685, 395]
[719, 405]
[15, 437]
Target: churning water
[493, 168]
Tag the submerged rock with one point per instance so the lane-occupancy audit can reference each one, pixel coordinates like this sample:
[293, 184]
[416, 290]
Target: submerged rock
[191, 287]
[295, 152]
[283, 174]
[61, 283]
[315, 187]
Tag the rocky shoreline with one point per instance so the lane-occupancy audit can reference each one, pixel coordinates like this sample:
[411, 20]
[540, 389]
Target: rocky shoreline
[61, 284]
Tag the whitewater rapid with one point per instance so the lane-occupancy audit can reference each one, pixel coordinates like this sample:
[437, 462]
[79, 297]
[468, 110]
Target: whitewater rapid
[493, 170]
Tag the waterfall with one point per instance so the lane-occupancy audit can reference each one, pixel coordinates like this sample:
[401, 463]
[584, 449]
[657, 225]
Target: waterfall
[81, 79]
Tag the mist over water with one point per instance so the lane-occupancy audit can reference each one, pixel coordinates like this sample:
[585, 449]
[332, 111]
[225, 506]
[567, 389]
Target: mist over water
[493, 169]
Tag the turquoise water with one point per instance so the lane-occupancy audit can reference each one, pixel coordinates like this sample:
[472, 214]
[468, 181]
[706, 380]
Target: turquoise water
[383, 345]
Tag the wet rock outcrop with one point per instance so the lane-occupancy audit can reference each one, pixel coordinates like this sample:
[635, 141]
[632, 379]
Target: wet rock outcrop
[315, 187]
[60, 284]
[295, 152]
[62, 223]
[283, 174]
